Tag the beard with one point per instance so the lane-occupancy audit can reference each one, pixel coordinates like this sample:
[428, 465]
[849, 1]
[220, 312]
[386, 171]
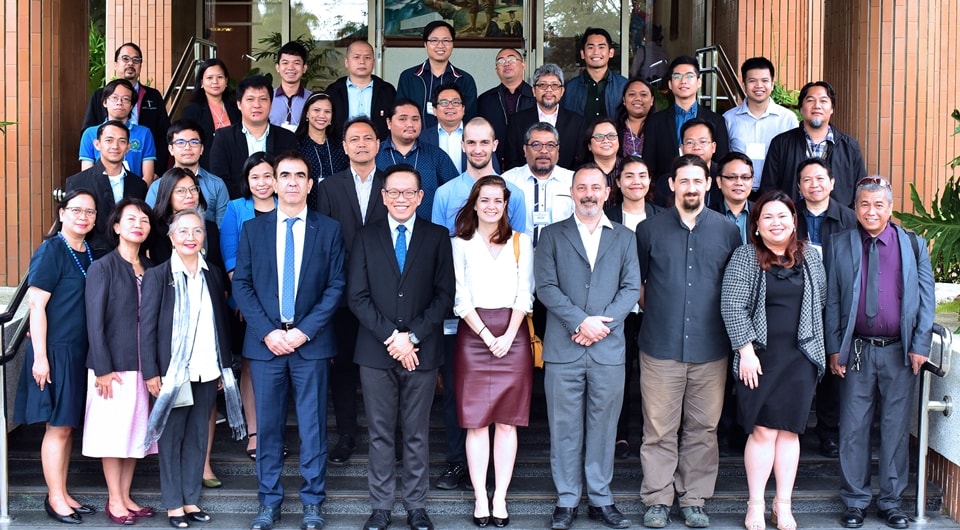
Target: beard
[540, 170]
[692, 203]
[816, 123]
[588, 207]
[474, 165]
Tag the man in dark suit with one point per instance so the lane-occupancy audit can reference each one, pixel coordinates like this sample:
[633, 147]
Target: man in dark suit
[149, 108]
[361, 93]
[501, 103]
[108, 181]
[447, 134]
[232, 145]
[340, 198]
[548, 91]
[733, 183]
[878, 326]
[401, 286]
[287, 283]
[662, 130]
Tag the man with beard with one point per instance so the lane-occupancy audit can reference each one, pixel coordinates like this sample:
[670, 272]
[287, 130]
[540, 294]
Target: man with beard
[548, 91]
[814, 138]
[683, 347]
[584, 345]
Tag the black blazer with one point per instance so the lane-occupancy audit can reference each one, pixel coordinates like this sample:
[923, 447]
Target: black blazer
[229, 152]
[615, 212]
[202, 116]
[838, 218]
[96, 182]
[161, 249]
[383, 299]
[113, 310]
[338, 199]
[156, 322]
[491, 106]
[569, 125]
[153, 115]
[383, 96]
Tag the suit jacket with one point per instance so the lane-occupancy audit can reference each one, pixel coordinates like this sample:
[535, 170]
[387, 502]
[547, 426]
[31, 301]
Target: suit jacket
[383, 96]
[156, 322]
[93, 180]
[569, 124]
[229, 152]
[338, 199]
[200, 113]
[843, 256]
[256, 287]
[573, 291]
[384, 299]
[153, 115]
[492, 106]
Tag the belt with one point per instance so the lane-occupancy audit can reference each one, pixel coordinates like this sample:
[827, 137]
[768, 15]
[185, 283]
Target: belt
[879, 342]
[286, 326]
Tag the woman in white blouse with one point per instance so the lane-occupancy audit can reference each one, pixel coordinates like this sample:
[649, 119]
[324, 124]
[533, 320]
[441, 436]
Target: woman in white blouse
[493, 367]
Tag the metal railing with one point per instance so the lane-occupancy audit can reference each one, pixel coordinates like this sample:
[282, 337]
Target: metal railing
[938, 364]
[11, 345]
[185, 75]
[721, 82]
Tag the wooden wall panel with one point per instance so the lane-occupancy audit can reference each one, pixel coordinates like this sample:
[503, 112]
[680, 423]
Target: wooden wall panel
[148, 24]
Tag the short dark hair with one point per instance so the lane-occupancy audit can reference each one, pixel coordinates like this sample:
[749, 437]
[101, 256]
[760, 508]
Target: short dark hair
[252, 161]
[830, 92]
[293, 48]
[290, 154]
[467, 220]
[429, 28]
[732, 156]
[116, 54]
[112, 87]
[359, 119]
[399, 102]
[447, 86]
[698, 121]
[683, 161]
[541, 126]
[184, 124]
[254, 82]
[814, 161]
[112, 123]
[117, 212]
[164, 206]
[756, 63]
[684, 59]
[595, 31]
[402, 168]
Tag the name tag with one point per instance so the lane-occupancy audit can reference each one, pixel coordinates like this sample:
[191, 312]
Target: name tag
[289, 126]
[450, 326]
[542, 218]
[756, 151]
[430, 108]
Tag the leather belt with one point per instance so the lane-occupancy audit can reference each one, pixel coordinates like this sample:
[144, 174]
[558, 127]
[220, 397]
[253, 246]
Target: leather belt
[879, 342]
[287, 326]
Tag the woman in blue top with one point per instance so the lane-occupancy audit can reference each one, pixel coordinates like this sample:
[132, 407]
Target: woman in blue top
[53, 379]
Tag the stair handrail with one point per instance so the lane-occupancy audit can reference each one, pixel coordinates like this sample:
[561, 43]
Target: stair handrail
[184, 75]
[713, 60]
[939, 366]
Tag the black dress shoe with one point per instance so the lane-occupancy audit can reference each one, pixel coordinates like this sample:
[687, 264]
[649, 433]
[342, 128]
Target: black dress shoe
[71, 518]
[608, 515]
[378, 520]
[312, 517]
[852, 518]
[419, 520]
[452, 476]
[829, 448]
[85, 509]
[199, 516]
[265, 518]
[895, 518]
[563, 518]
[621, 450]
[343, 451]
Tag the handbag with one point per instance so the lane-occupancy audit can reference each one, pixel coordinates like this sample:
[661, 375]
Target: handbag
[536, 344]
[184, 395]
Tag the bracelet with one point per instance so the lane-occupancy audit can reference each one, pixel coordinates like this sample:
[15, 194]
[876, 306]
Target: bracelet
[481, 331]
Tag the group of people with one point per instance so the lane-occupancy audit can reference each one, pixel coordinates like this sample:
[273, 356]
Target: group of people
[381, 238]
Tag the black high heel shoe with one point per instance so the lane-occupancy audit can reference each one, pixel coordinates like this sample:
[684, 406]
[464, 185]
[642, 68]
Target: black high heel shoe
[482, 522]
[500, 523]
[71, 518]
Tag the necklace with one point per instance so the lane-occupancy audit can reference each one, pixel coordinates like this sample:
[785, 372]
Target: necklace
[219, 116]
[74, 254]
[319, 177]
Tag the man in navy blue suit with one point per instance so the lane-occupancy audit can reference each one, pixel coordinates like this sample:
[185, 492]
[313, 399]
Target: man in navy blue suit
[287, 283]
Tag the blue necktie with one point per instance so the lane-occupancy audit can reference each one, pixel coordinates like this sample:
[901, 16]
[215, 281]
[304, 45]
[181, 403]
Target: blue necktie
[287, 297]
[400, 248]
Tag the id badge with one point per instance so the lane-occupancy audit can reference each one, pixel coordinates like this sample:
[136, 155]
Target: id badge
[450, 326]
[541, 218]
[756, 151]
[289, 126]
[430, 108]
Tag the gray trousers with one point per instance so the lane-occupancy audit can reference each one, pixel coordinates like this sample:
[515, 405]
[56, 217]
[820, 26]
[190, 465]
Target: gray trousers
[583, 404]
[182, 448]
[882, 381]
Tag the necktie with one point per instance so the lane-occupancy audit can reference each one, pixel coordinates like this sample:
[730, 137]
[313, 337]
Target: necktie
[287, 297]
[873, 282]
[400, 247]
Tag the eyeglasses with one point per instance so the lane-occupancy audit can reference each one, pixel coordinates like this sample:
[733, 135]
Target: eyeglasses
[877, 181]
[742, 178]
[703, 142]
[450, 103]
[184, 233]
[395, 194]
[181, 143]
[689, 76]
[77, 211]
[183, 192]
[609, 137]
[549, 86]
[435, 42]
[510, 59]
[117, 99]
[127, 59]
[539, 146]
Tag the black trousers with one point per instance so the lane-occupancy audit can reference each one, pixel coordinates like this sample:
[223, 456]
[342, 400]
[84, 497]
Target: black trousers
[344, 373]
[182, 448]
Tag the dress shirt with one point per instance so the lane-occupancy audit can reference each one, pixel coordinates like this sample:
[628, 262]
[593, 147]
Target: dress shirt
[887, 321]
[596, 105]
[751, 135]
[450, 144]
[554, 194]
[818, 150]
[203, 364]
[815, 226]
[477, 269]
[683, 116]
[299, 230]
[434, 165]
[116, 185]
[254, 144]
[549, 118]
[591, 241]
[214, 191]
[739, 220]
[286, 110]
[360, 100]
[451, 197]
[364, 189]
[393, 224]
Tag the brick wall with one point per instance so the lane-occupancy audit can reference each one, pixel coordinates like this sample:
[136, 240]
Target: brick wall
[947, 475]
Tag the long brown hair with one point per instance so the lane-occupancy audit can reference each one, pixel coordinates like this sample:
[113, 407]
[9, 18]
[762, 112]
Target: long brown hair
[795, 248]
[468, 221]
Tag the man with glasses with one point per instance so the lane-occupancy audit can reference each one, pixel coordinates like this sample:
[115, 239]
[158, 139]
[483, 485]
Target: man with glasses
[733, 181]
[663, 129]
[185, 143]
[419, 83]
[291, 94]
[548, 92]
[448, 133]
[878, 328]
[501, 103]
[360, 93]
[148, 108]
[597, 91]
[142, 155]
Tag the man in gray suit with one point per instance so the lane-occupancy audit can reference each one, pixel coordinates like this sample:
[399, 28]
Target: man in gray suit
[588, 297]
[878, 327]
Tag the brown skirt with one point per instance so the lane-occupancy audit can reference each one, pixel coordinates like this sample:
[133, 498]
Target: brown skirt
[491, 390]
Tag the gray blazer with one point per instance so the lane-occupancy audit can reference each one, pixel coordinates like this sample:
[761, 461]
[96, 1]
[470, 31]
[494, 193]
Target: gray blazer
[844, 257]
[744, 290]
[571, 291]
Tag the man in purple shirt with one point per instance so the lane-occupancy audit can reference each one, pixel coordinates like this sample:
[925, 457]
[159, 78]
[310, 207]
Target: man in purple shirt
[878, 327]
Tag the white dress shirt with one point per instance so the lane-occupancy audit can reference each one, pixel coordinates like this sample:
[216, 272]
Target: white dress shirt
[549, 118]
[254, 144]
[203, 365]
[299, 230]
[364, 189]
[591, 242]
[751, 135]
[555, 202]
[450, 144]
[488, 282]
[393, 224]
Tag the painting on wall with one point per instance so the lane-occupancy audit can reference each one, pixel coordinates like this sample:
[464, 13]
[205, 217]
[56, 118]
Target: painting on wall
[477, 22]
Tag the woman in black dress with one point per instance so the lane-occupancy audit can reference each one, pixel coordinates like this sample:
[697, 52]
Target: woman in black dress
[774, 290]
[319, 143]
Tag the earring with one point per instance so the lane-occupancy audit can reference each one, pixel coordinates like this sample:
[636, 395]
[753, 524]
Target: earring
[756, 232]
